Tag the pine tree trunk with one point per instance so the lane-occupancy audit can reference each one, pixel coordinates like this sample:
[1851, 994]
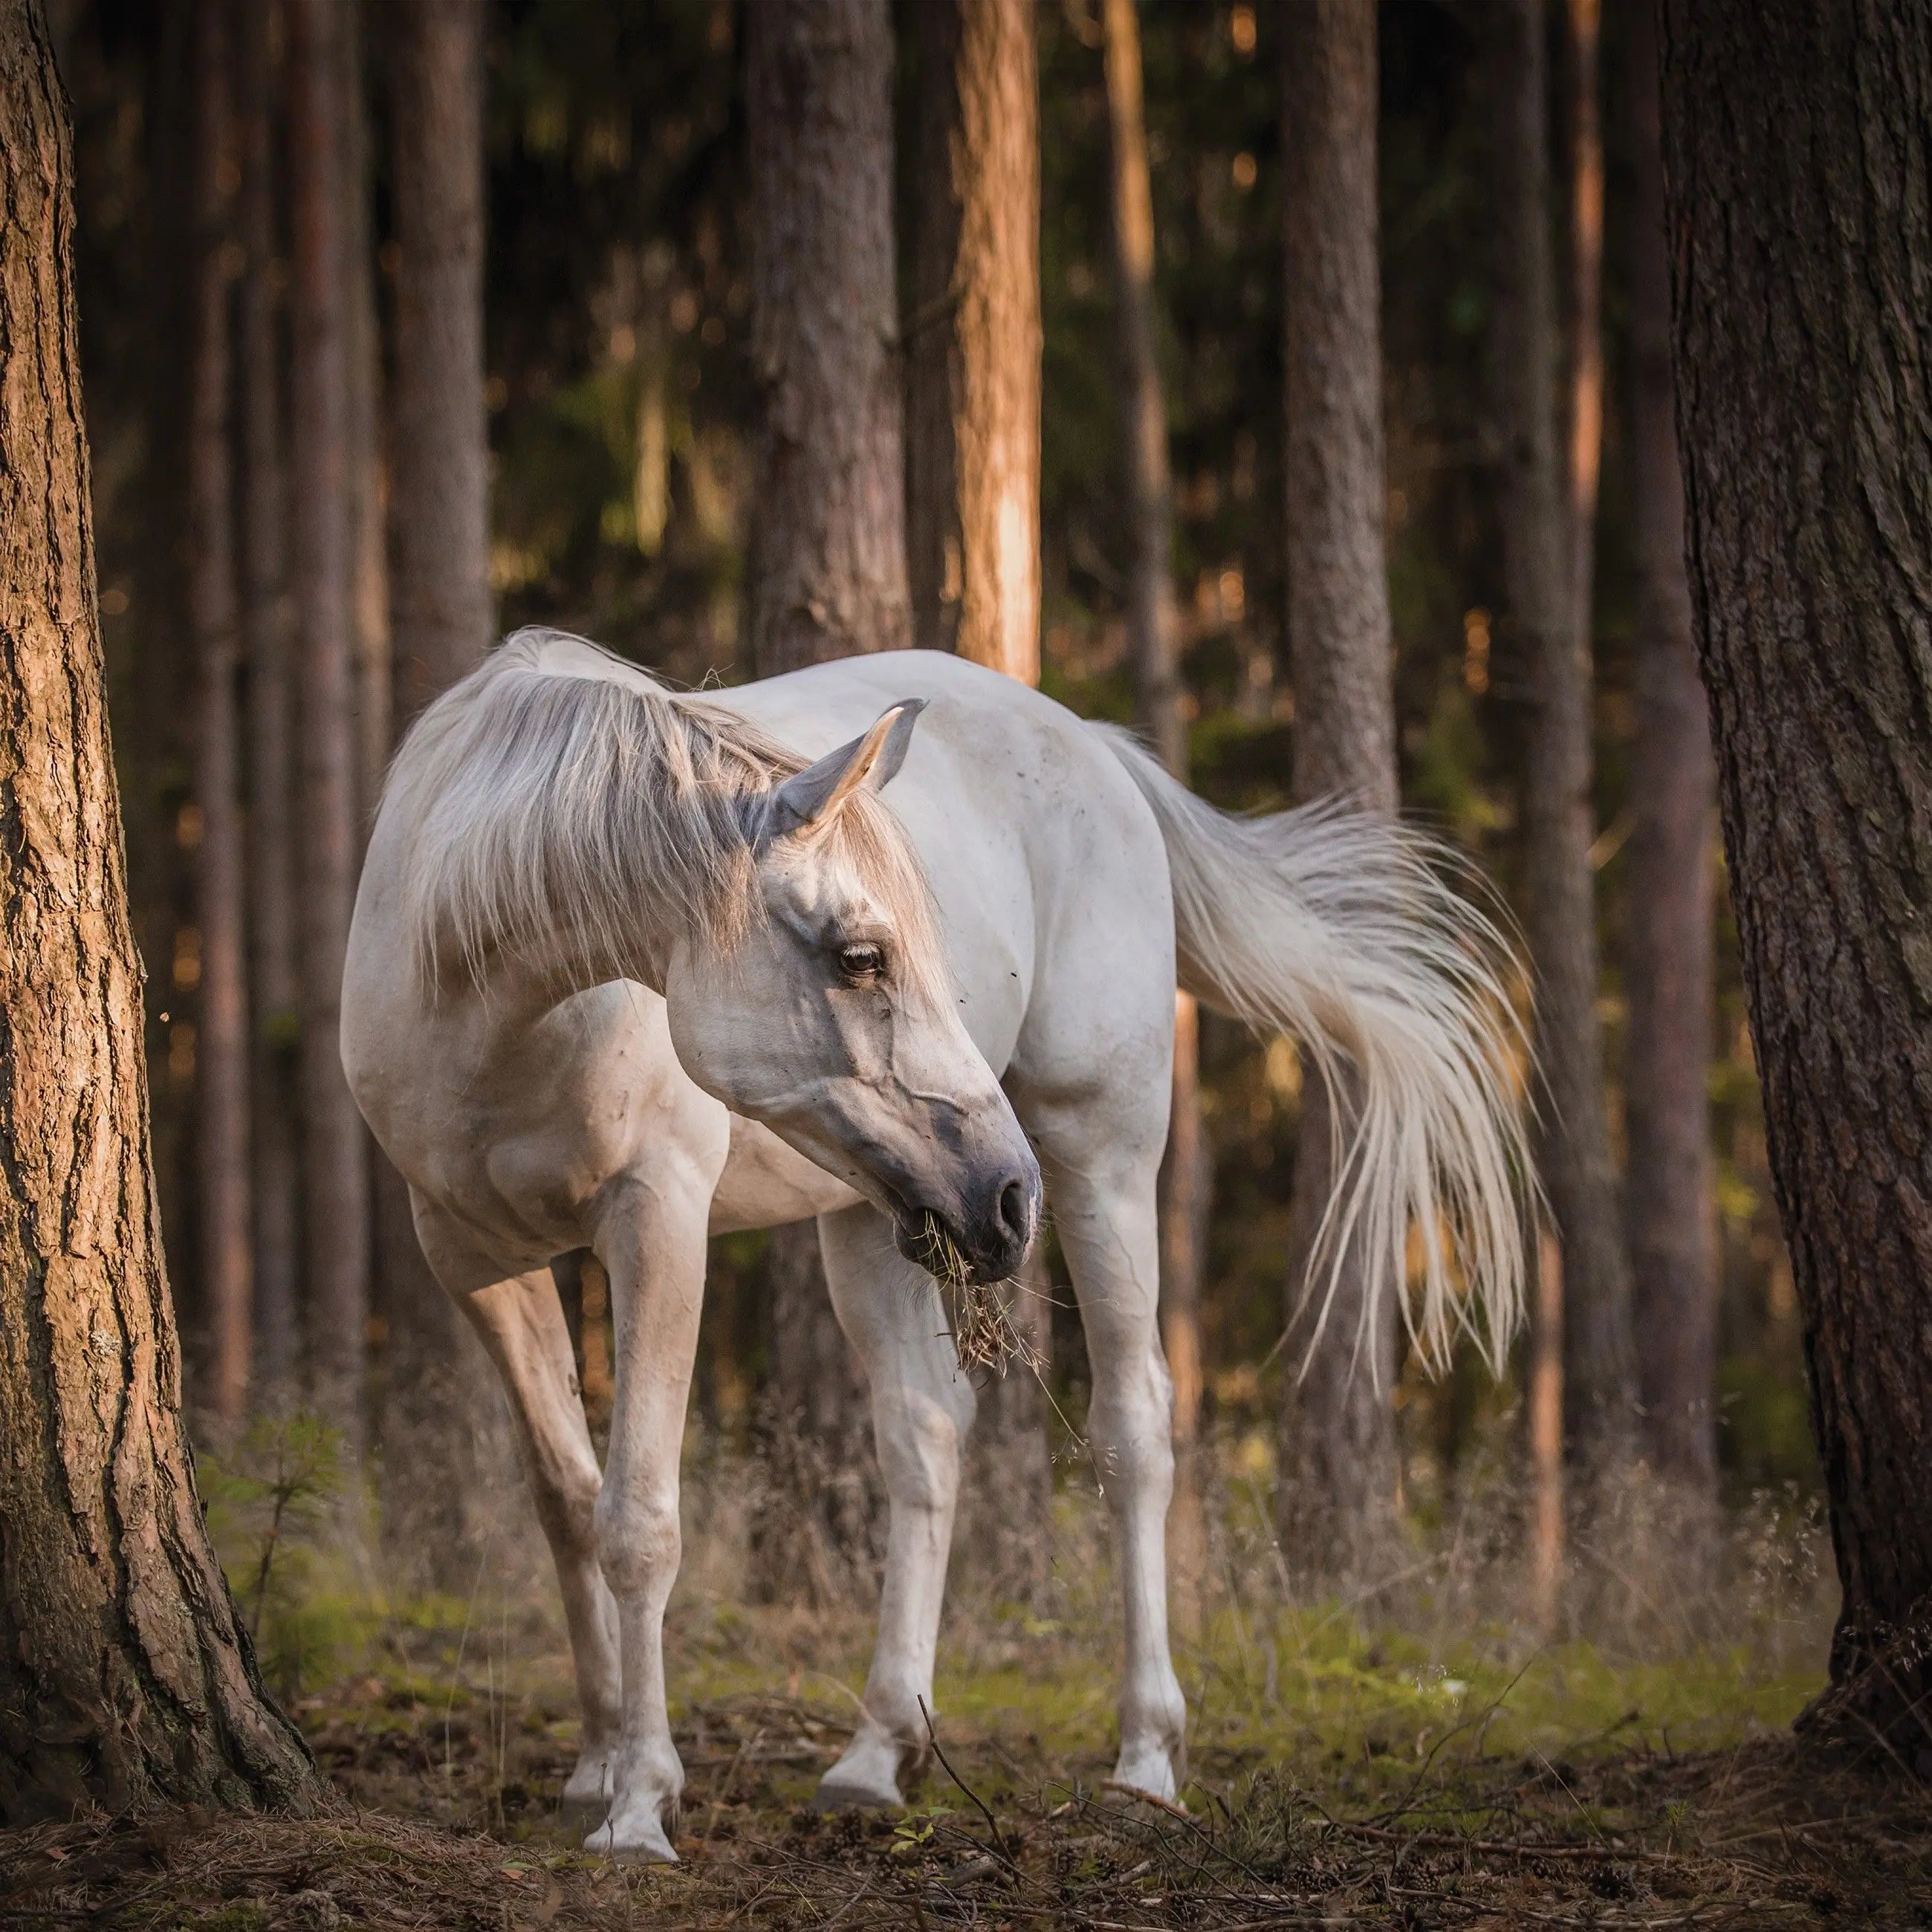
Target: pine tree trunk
[828, 578]
[439, 451]
[334, 1164]
[1670, 1192]
[1540, 572]
[974, 338]
[443, 1402]
[368, 539]
[1154, 643]
[1795, 158]
[124, 1674]
[264, 505]
[1338, 1460]
[221, 1009]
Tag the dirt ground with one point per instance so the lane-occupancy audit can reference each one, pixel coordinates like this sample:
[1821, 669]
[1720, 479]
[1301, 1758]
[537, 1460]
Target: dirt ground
[444, 1814]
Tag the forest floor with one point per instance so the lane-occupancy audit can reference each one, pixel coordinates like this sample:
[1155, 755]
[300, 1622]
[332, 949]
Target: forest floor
[1352, 1781]
[1412, 1757]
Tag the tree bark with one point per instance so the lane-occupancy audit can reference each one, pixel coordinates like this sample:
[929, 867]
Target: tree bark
[439, 451]
[125, 1675]
[221, 1061]
[974, 336]
[1153, 644]
[368, 540]
[443, 1402]
[1539, 573]
[1338, 1460]
[334, 1166]
[1795, 150]
[264, 505]
[828, 579]
[1670, 1195]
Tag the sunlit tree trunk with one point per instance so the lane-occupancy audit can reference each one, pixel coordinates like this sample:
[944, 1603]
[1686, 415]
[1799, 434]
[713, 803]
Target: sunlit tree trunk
[221, 1007]
[264, 507]
[1540, 572]
[1338, 1462]
[1154, 643]
[334, 1164]
[124, 1676]
[1795, 152]
[1670, 1189]
[827, 578]
[974, 336]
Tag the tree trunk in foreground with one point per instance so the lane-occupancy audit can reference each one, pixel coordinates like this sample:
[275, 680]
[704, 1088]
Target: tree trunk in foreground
[827, 579]
[1154, 643]
[335, 1158]
[221, 1009]
[1539, 570]
[443, 1403]
[1670, 1206]
[125, 1676]
[264, 505]
[974, 336]
[1338, 1459]
[1795, 143]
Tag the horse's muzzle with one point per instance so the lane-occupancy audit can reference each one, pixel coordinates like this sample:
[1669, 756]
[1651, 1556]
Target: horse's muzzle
[984, 1239]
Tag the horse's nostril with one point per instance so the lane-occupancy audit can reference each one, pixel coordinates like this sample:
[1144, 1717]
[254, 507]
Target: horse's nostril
[1013, 1206]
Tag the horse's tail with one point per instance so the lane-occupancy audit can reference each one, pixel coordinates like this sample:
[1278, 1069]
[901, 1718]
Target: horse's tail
[1343, 929]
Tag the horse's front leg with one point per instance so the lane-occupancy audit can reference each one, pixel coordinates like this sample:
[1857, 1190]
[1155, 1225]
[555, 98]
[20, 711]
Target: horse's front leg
[651, 1240]
[922, 1412]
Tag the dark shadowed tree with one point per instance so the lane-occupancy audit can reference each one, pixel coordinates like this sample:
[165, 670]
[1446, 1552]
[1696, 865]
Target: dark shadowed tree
[335, 1193]
[1154, 643]
[1541, 571]
[1338, 1458]
[1796, 155]
[125, 1676]
[828, 578]
[263, 503]
[221, 1008]
[1669, 1187]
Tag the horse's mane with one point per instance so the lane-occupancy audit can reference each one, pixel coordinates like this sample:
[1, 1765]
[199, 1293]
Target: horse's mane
[552, 811]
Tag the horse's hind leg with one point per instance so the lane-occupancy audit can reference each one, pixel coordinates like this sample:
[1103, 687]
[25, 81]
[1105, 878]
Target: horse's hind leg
[921, 1412]
[521, 1324]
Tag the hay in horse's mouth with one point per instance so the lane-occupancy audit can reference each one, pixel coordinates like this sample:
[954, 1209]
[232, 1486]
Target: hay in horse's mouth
[979, 1313]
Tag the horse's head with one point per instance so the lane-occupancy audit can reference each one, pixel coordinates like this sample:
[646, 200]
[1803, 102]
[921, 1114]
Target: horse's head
[831, 1019]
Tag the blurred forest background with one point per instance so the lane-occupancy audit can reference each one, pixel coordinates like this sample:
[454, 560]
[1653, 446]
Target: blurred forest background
[621, 391]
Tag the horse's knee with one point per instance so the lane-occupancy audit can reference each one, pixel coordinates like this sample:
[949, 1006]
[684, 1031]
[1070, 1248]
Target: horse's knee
[1131, 1422]
[566, 1505]
[920, 1438]
[639, 1543]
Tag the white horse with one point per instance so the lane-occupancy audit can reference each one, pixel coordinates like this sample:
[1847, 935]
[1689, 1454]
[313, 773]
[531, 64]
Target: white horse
[626, 969]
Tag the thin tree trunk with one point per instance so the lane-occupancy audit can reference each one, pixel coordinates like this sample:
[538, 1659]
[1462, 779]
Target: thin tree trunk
[439, 451]
[334, 1164]
[828, 578]
[125, 1677]
[443, 1403]
[265, 622]
[974, 336]
[221, 1061]
[1338, 1458]
[1586, 313]
[1795, 151]
[368, 541]
[1153, 645]
[1540, 572]
[1670, 1192]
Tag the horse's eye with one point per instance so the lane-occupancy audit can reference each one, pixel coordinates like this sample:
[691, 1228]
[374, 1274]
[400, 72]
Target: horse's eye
[864, 960]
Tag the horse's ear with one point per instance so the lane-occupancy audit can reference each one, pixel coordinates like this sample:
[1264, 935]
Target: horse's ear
[812, 797]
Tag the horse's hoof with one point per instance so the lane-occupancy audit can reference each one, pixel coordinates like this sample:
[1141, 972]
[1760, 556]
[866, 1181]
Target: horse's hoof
[645, 1844]
[1147, 1773]
[842, 1796]
[865, 1779]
